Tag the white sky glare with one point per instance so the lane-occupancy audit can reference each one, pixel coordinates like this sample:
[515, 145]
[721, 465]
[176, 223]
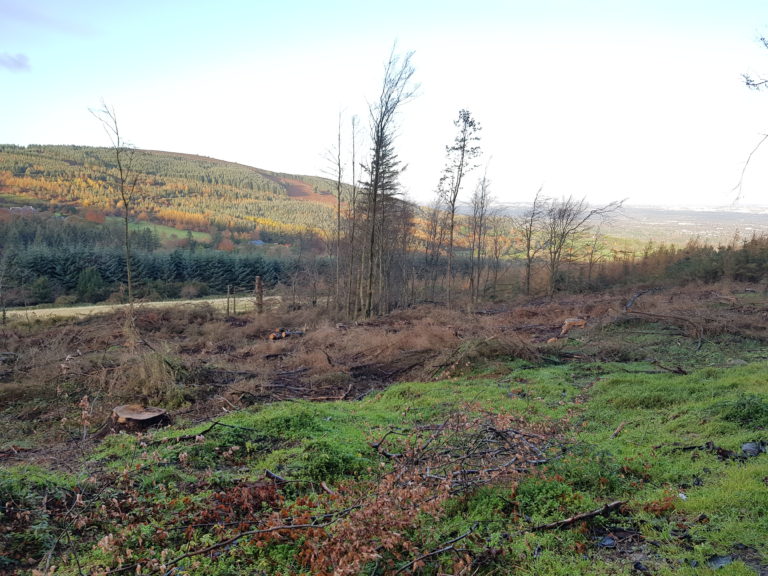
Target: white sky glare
[636, 99]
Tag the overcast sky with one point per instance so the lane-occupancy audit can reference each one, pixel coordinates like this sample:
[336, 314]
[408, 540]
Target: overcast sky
[610, 99]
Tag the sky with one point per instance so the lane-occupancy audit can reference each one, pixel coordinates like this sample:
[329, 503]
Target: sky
[641, 100]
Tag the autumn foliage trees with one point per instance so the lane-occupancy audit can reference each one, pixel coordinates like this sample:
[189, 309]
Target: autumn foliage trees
[193, 193]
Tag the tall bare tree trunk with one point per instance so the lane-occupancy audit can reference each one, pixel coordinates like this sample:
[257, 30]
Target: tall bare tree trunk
[460, 157]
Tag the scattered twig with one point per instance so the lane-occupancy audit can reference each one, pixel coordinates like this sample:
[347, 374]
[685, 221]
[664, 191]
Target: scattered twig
[256, 532]
[447, 547]
[603, 511]
[377, 445]
[292, 372]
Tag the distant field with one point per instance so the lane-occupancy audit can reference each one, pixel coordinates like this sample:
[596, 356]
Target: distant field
[7, 199]
[163, 231]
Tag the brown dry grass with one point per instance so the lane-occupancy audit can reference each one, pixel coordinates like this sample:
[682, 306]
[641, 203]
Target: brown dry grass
[197, 362]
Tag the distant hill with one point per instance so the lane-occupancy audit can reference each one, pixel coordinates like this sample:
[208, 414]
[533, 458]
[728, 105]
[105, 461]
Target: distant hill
[198, 193]
[181, 190]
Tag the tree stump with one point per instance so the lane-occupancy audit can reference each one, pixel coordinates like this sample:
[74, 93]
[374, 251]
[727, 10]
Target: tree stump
[134, 417]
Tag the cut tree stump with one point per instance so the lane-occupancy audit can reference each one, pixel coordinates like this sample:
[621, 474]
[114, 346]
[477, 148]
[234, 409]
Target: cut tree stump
[137, 417]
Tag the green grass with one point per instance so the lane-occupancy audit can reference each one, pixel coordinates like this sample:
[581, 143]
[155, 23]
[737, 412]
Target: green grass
[664, 418]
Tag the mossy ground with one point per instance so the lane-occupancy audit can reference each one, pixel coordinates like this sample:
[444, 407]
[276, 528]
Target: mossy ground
[627, 435]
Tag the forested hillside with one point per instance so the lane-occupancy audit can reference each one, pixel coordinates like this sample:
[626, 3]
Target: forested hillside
[45, 257]
[63, 239]
[190, 192]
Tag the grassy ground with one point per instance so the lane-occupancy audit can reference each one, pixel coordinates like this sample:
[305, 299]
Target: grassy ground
[559, 465]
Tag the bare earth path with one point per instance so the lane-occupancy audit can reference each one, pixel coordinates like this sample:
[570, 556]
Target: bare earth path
[242, 304]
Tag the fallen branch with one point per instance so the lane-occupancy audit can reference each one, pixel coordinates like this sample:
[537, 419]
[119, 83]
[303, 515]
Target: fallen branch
[603, 511]
[204, 432]
[332, 398]
[218, 545]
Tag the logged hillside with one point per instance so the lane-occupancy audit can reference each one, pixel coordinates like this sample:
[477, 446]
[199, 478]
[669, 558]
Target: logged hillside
[189, 192]
[427, 442]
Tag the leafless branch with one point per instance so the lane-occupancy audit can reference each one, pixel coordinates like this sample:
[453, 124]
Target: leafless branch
[740, 184]
[446, 547]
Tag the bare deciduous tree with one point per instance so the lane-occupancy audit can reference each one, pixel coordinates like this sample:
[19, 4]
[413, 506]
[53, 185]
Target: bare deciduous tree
[595, 252]
[499, 236]
[352, 229]
[436, 225]
[126, 182]
[759, 83]
[5, 257]
[531, 227]
[564, 220]
[336, 172]
[478, 228]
